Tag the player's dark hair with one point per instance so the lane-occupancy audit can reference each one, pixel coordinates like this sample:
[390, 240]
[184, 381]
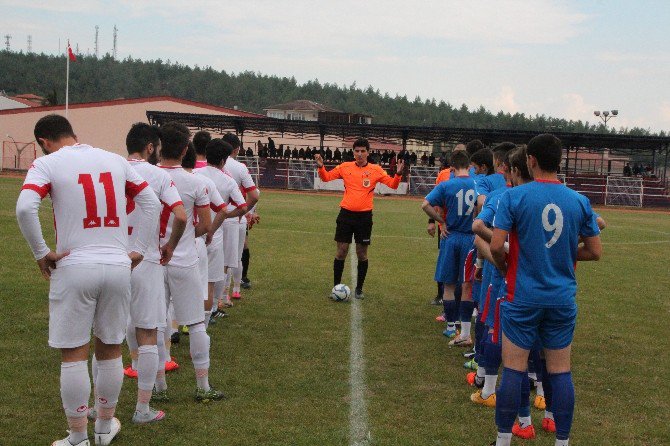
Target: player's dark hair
[484, 157]
[474, 146]
[459, 160]
[218, 151]
[233, 140]
[141, 134]
[502, 149]
[174, 138]
[517, 159]
[362, 142]
[188, 161]
[200, 140]
[547, 149]
[53, 128]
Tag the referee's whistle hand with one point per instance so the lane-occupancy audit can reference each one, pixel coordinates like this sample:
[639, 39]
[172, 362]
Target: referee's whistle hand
[319, 160]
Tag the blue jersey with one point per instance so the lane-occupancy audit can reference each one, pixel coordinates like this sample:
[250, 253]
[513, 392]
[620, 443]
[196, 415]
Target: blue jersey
[545, 220]
[489, 183]
[457, 197]
[488, 211]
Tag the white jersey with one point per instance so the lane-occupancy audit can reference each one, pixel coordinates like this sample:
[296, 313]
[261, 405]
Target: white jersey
[240, 173]
[227, 188]
[88, 189]
[164, 188]
[216, 202]
[193, 193]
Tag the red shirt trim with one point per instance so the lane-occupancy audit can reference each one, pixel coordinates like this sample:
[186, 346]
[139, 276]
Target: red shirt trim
[42, 191]
[133, 189]
[201, 206]
[173, 205]
[248, 189]
[216, 208]
[512, 264]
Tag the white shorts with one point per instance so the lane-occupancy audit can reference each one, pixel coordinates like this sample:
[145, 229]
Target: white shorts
[184, 287]
[215, 262]
[88, 296]
[147, 301]
[203, 264]
[231, 243]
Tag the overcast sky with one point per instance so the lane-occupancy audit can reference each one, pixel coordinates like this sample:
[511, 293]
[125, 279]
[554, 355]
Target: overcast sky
[560, 58]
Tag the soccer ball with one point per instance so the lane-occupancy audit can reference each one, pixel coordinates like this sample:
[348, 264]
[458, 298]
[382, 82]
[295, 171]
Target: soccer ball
[340, 293]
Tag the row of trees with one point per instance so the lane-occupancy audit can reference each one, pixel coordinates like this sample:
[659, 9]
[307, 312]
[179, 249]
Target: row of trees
[99, 79]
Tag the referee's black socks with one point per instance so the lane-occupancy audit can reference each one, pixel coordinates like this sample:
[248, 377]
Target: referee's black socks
[362, 271]
[338, 267]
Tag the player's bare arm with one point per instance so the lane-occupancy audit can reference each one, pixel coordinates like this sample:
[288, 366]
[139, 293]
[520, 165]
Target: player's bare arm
[483, 231]
[178, 227]
[591, 250]
[204, 221]
[432, 213]
[498, 249]
[252, 198]
[400, 167]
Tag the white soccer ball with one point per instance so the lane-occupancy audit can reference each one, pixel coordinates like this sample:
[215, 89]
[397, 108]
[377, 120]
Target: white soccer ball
[340, 293]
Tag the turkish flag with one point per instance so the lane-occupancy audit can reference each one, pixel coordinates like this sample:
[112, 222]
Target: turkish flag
[70, 54]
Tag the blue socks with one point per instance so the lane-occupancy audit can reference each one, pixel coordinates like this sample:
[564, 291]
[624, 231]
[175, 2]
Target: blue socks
[563, 402]
[524, 410]
[466, 309]
[450, 308]
[508, 399]
[493, 354]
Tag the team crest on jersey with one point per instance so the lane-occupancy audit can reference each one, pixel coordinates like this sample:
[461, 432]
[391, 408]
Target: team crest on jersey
[366, 182]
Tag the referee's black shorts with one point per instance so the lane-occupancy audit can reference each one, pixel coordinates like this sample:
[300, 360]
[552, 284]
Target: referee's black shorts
[358, 224]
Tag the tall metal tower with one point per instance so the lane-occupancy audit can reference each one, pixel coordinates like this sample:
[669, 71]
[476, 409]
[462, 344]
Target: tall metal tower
[116, 31]
[97, 28]
[30, 44]
[8, 37]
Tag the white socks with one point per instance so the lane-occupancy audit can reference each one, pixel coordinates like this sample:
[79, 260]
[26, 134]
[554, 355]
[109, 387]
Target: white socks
[504, 439]
[75, 390]
[147, 367]
[561, 442]
[199, 347]
[490, 382]
[237, 278]
[107, 387]
[539, 389]
[131, 340]
[525, 422]
[465, 329]
[481, 371]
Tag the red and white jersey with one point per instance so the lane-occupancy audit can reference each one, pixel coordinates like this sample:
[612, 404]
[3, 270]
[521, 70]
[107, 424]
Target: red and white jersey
[193, 193]
[240, 173]
[88, 188]
[164, 188]
[227, 189]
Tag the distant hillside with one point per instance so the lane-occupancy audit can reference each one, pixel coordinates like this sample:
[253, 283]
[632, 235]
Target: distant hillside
[93, 79]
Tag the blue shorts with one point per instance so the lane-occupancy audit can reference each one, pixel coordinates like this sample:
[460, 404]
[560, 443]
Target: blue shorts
[451, 259]
[532, 327]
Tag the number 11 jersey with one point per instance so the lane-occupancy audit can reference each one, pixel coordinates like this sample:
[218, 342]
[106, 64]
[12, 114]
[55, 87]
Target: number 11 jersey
[545, 220]
[88, 189]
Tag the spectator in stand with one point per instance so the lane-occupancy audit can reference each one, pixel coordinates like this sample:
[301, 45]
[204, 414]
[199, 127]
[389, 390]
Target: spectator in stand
[259, 146]
[287, 152]
[392, 161]
[301, 153]
[337, 155]
[413, 158]
[250, 152]
[295, 154]
[424, 159]
[329, 154]
[271, 147]
[627, 171]
[431, 160]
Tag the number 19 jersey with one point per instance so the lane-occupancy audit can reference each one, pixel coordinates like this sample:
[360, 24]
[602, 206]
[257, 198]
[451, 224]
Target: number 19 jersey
[544, 220]
[457, 197]
[88, 189]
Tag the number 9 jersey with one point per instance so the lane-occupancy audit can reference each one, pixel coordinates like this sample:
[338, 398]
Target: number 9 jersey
[88, 189]
[545, 220]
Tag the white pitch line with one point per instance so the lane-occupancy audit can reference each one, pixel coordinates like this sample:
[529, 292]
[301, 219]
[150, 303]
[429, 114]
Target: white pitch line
[359, 435]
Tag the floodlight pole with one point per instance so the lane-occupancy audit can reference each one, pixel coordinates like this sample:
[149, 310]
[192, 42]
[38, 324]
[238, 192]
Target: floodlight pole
[606, 115]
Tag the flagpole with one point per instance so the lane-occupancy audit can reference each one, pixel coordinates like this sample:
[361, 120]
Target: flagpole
[67, 78]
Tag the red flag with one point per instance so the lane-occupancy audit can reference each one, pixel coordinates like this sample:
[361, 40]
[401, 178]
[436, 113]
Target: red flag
[70, 54]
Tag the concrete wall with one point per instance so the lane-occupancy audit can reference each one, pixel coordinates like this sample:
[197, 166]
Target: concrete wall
[103, 126]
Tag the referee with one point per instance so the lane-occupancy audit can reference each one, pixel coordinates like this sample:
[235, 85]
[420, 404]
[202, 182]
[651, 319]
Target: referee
[355, 218]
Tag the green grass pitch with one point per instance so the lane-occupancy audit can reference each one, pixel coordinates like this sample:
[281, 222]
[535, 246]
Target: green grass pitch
[282, 356]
